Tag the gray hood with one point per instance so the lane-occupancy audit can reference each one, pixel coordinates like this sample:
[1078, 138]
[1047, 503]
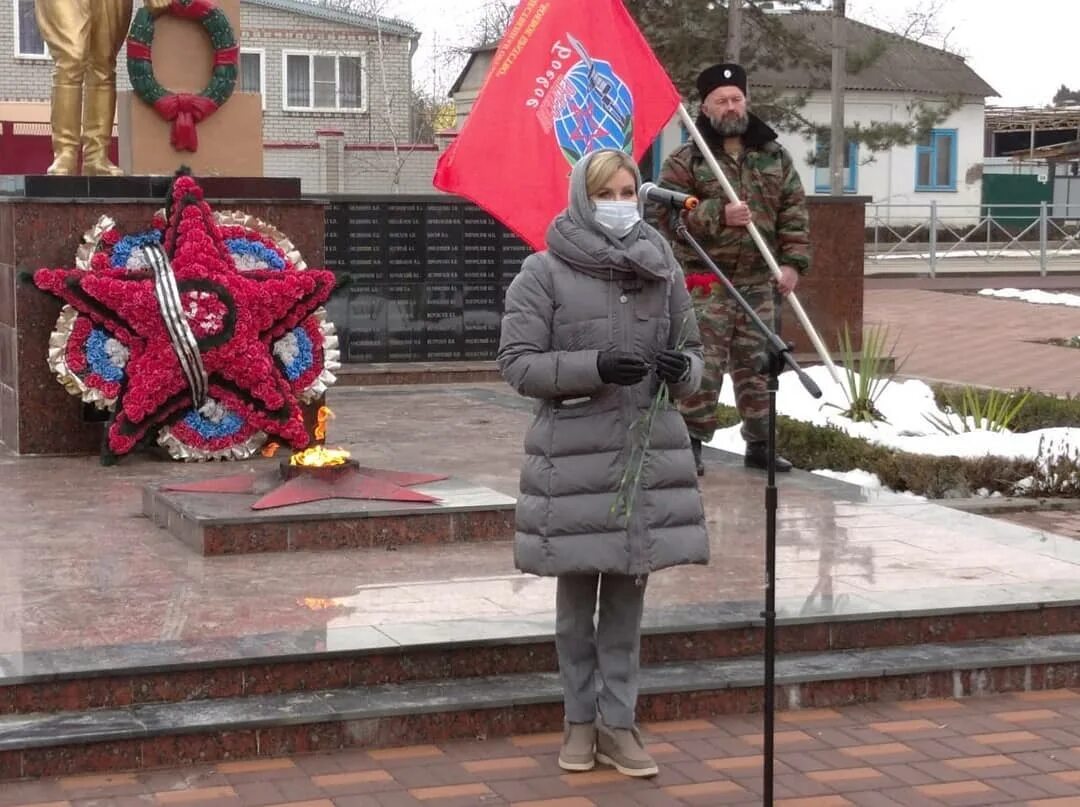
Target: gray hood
[577, 238]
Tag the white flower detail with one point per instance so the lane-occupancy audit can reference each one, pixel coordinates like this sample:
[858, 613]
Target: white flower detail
[248, 261]
[117, 353]
[213, 411]
[287, 349]
[136, 260]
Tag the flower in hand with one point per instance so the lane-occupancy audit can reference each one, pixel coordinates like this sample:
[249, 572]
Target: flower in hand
[672, 366]
[619, 367]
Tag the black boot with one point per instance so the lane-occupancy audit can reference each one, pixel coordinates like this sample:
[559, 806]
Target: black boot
[695, 446]
[757, 456]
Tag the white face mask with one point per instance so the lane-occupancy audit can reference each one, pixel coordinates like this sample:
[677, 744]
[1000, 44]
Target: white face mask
[617, 218]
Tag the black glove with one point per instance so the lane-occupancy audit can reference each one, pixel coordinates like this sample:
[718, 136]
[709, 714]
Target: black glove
[672, 366]
[617, 367]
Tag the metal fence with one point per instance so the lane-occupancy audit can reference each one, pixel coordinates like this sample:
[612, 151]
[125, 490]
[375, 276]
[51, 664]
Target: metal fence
[940, 237]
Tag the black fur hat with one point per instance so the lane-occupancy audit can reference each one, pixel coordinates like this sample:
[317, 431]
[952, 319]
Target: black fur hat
[727, 74]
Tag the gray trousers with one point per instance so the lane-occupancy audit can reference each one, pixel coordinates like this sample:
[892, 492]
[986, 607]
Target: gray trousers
[609, 646]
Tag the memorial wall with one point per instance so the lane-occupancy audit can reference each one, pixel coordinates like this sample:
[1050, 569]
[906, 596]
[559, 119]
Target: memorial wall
[422, 278]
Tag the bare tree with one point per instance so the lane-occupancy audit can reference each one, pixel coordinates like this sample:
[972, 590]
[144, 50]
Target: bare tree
[920, 21]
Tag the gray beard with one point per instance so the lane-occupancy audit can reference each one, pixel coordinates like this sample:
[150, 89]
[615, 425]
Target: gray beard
[731, 127]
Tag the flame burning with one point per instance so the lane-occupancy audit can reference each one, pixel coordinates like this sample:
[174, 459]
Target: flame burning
[270, 449]
[317, 603]
[320, 457]
[325, 414]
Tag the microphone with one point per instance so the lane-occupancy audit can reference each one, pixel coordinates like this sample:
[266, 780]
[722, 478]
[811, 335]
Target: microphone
[681, 201]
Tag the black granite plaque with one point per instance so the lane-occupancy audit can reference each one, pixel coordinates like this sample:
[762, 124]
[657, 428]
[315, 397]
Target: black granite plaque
[336, 237]
[444, 254]
[427, 278]
[479, 246]
[512, 252]
[364, 243]
[364, 330]
[405, 324]
[404, 236]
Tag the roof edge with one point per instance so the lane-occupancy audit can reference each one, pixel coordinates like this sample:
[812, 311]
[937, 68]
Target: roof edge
[388, 25]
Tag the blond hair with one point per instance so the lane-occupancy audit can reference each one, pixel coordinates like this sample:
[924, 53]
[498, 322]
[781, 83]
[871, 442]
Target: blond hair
[603, 167]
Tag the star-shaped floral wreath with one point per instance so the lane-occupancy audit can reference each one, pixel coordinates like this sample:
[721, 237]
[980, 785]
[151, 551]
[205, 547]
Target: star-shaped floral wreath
[205, 331]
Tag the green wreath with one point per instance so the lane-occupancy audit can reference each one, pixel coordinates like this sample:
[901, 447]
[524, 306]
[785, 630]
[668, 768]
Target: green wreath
[184, 110]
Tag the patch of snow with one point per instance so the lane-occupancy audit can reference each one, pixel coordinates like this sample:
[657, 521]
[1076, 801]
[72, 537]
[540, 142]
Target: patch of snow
[904, 405]
[1034, 296]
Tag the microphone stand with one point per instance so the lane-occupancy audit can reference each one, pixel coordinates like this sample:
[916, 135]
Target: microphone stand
[777, 357]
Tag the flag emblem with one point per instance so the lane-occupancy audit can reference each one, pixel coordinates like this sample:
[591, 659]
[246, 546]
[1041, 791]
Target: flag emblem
[597, 111]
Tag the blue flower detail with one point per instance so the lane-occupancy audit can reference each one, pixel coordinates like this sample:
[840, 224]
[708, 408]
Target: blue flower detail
[98, 358]
[304, 357]
[240, 247]
[208, 429]
[129, 243]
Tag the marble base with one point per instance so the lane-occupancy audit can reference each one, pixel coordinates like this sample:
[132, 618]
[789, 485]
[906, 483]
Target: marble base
[497, 706]
[225, 524]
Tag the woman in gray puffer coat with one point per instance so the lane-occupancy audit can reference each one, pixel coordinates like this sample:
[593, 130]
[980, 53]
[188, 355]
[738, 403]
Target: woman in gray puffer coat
[593, 325]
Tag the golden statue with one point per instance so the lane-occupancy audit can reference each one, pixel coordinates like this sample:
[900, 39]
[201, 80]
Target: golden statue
[84, 38]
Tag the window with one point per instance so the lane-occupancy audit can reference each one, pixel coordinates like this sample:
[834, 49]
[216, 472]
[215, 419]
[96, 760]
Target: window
[822, 178]
[253, 73]
[325, 81]
[935, 161]
[28, 40]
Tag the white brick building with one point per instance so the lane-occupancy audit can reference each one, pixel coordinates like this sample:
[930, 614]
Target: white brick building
[336, 90]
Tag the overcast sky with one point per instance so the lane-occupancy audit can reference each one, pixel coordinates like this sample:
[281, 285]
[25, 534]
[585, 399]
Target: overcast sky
[1024, 50]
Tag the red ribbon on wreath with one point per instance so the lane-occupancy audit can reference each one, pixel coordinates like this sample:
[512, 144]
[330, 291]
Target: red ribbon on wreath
[184, 110]
[195, 10]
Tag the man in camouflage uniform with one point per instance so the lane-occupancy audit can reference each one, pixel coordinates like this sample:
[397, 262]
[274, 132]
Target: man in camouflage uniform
[763, 175]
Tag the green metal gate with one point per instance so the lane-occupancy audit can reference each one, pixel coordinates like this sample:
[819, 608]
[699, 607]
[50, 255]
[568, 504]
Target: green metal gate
[1014, 189]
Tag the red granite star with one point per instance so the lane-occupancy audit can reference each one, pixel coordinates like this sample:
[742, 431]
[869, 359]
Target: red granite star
[234, 316]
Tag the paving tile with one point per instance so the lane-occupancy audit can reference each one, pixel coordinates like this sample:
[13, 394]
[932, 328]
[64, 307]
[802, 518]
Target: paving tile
[679, 727]
[598, 776]
[256, 766]
[1029, 716]
[809, 717]
[705, 790]
[405, 753]
[952, 790]
[836, 776]
[257, 794]
[450, 792]
[339, 781]
[500, 765]
[880, 752]
[200, 794]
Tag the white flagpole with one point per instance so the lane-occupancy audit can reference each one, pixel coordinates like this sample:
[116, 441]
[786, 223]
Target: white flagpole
[766, 253]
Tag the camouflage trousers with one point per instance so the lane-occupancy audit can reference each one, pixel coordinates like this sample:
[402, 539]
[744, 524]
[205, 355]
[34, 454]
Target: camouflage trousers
[732, 344]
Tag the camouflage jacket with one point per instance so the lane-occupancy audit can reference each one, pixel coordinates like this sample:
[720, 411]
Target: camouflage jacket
[765, 178]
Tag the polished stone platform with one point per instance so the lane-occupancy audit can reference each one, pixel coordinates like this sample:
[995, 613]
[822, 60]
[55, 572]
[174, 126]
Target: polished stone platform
[106, 620]
[226, 524]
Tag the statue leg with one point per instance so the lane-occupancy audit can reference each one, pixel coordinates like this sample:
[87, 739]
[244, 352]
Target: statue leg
[112, 18]
[65, 27]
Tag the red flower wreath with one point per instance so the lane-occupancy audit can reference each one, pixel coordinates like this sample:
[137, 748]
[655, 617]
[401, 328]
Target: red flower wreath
[235, 316]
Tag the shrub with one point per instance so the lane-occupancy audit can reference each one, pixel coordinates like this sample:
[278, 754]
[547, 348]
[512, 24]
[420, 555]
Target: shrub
[1040, 411]
[809, 447]
[973, 409]
[863, 388]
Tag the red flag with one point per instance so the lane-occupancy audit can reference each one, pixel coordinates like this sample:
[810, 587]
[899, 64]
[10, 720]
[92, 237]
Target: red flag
[569, 77]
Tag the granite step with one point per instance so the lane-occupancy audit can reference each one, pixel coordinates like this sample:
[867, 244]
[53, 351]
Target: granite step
[170, 734]
[181, 671]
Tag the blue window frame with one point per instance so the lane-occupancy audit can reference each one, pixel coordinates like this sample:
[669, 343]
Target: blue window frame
[822, 180]
[935, 161]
